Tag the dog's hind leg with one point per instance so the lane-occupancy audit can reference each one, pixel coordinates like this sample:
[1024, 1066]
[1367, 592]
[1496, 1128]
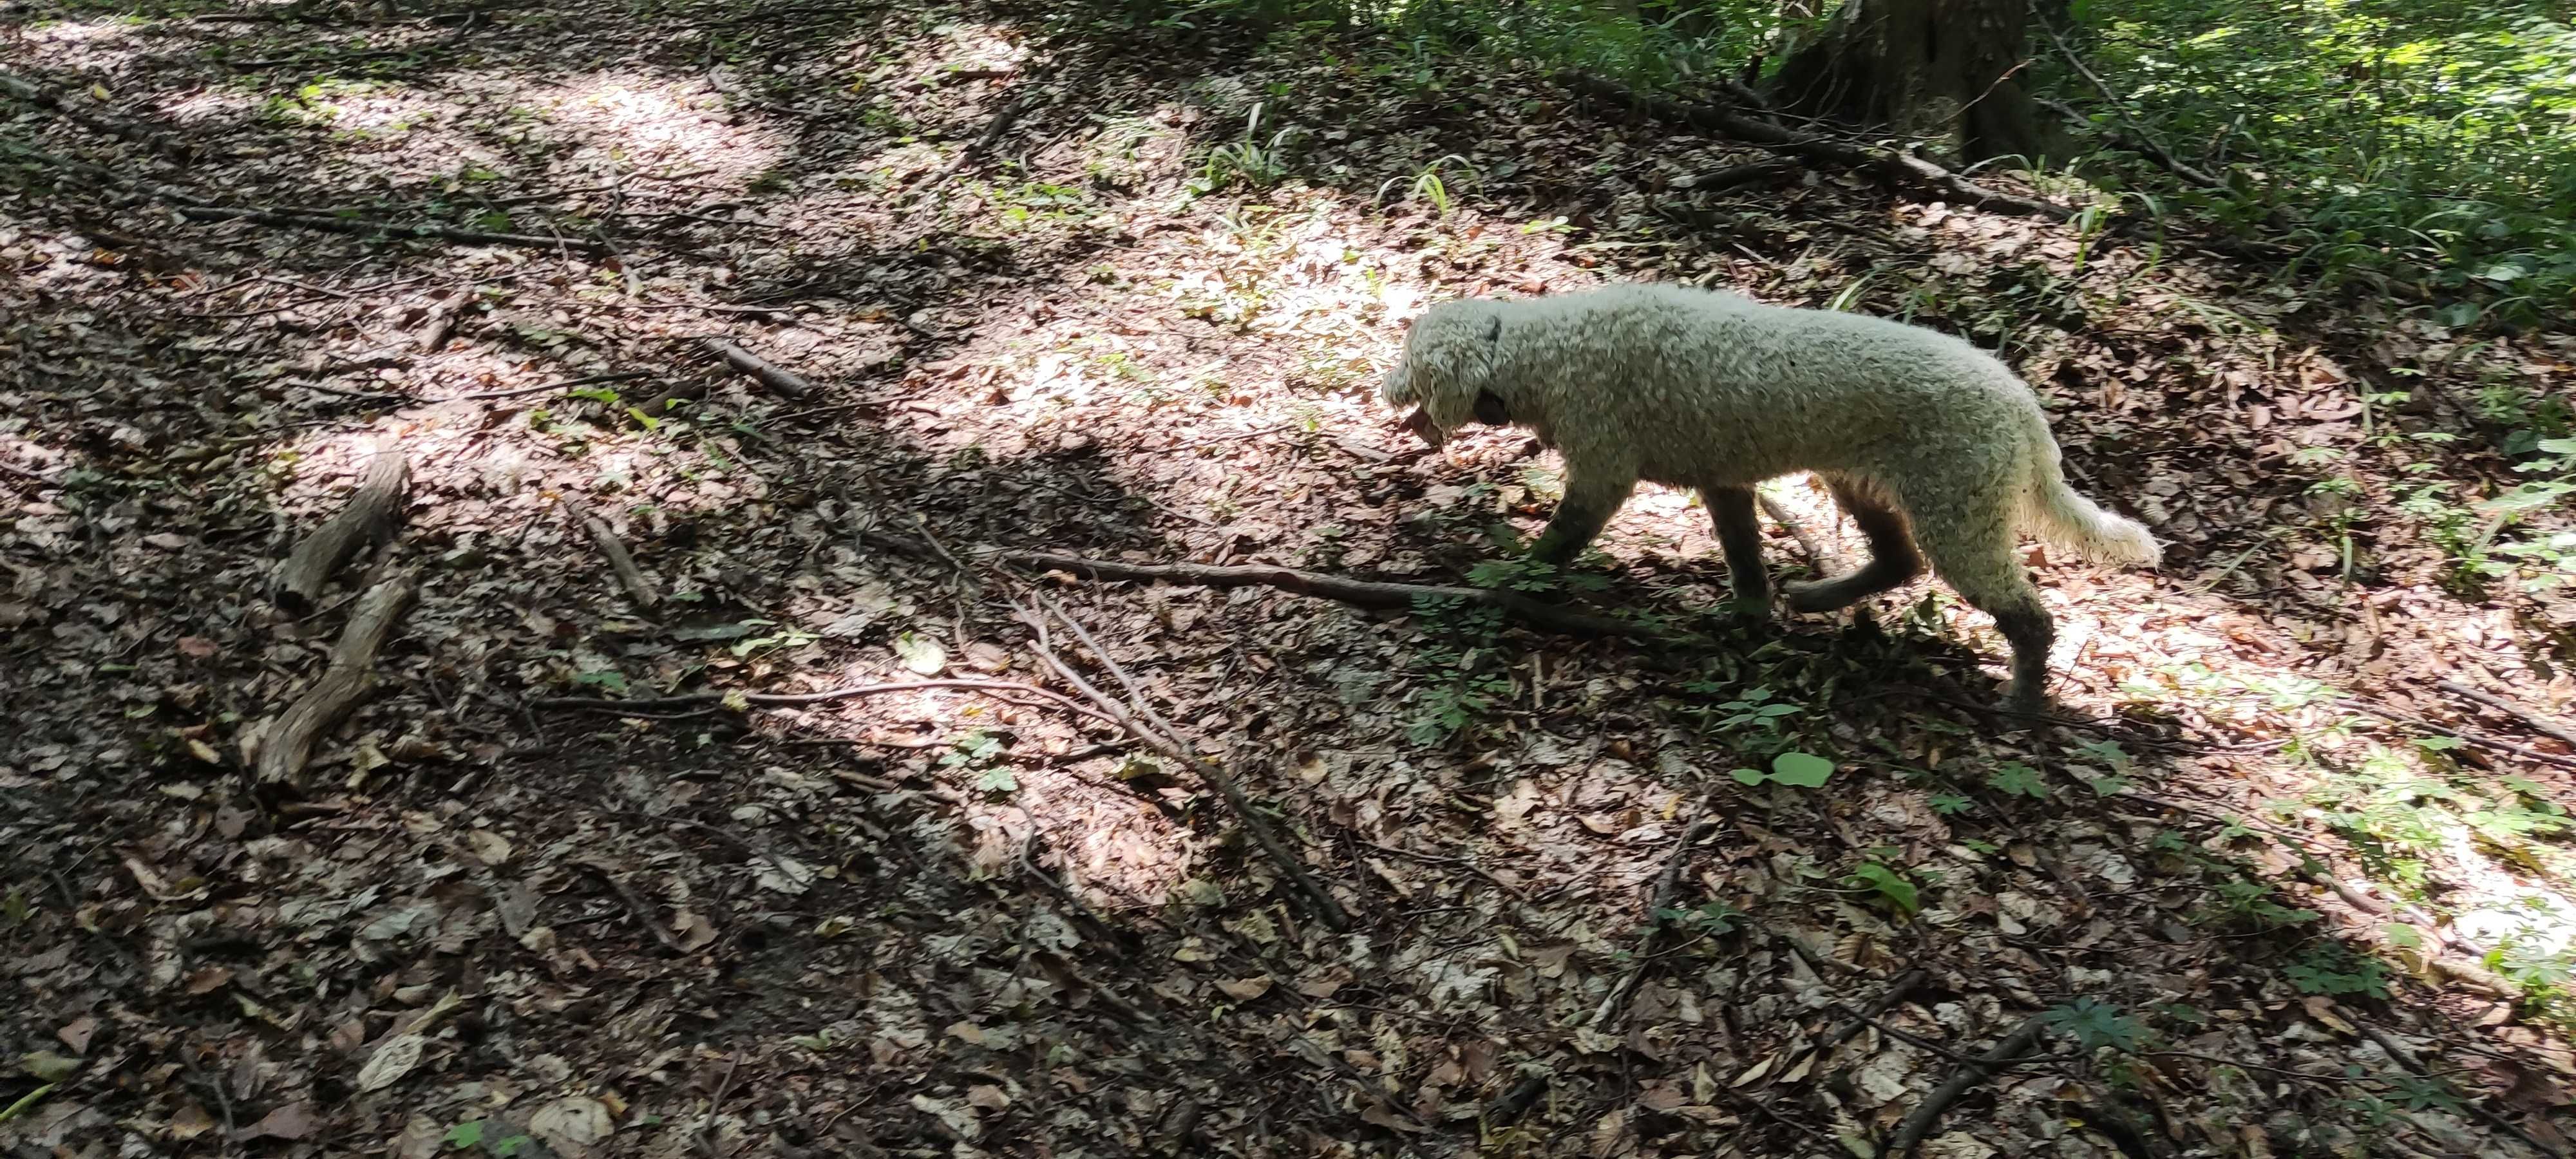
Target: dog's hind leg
[1731, 509]
[1591, 498]
[1892, 558]
[1976, 557]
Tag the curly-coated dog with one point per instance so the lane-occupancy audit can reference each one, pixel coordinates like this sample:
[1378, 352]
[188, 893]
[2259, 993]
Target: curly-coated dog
[1925, 440]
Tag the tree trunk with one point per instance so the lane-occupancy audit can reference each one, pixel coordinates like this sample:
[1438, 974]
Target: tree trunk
[1933, 70]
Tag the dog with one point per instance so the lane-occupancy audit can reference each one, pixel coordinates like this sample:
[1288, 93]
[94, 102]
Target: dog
[1936, 449]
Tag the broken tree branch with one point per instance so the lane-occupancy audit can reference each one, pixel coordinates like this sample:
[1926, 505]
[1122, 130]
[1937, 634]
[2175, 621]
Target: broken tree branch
[1325, 907]
[1909, 1135]
[2539, 723]
[2146, 141]
[367, 228]
[620, 561]
[1615, 1002]
[1898, 168]
[370, 515]
[286, 746]
[1360, 593]
[777, 380]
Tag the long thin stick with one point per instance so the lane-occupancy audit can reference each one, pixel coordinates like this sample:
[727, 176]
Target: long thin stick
[1325, 907]
[2535, 720]
[1361, 593]
[1925, 1117]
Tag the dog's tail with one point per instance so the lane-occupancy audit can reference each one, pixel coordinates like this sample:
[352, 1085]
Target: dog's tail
[2072, 521]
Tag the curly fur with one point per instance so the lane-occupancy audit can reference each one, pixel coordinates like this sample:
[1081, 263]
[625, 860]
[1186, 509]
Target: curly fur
[1927, 441]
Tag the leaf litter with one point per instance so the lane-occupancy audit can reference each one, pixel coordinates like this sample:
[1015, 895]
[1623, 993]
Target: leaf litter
[1603, 902]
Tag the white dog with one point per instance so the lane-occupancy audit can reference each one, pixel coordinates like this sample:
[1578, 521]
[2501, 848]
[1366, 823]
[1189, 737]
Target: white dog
[1924, 439]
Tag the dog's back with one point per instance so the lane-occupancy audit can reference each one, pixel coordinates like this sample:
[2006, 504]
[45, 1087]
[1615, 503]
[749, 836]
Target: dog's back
[1694, 380]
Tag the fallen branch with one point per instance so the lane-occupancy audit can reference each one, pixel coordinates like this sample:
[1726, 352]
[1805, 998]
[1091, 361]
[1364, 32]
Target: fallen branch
[777, 380]
[1780, 514]
[634, 905]
[369, 516]
[620, 561]
[1734, 175]
[1897, 991]
[2478, 739]
[1360, 593]
[2145, 140]
[1899, 168]
[1170, 746]
[286, 745]
[993, 130]
[1667, 890]
[2539, 723]
[2477, 1106]
[367, 228]
[1909, 1135]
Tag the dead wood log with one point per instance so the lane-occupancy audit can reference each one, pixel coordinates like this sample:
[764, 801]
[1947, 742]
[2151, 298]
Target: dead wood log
[1360, 593]
[370, 515]
[620, 561]
[365, 228]
[777, 380]
[286, 745]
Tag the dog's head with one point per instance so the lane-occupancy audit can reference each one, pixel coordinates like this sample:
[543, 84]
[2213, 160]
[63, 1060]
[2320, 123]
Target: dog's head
[1447, 369]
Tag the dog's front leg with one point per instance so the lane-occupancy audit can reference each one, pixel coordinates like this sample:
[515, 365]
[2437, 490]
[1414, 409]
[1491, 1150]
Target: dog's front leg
[1591, 498]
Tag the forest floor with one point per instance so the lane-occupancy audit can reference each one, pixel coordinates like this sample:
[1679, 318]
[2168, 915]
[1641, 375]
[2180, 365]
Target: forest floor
[2290, 877]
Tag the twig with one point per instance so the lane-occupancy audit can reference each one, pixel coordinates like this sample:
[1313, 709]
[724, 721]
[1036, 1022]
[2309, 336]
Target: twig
[1616, 1001]
[1910, 1134]
[620, 561]
[1324, 905]
[287, 744]
[1750, 173]
[1361, 593]
[370, 515]
[642, 912]
[2539, 723]
[365, 227]
[2479, 739]
[1010, 111]
[2146, 141]
[566, 384]
[1467, 864]
[715, 1104]
[2406, 1058]
[1897, 991]
[790, 699]
[1780, 514]
[770, 376]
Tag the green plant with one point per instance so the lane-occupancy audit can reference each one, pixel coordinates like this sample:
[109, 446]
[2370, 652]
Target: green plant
[2332, 968]
[1890, 885]
[2094, 1025]
[1804, 770]
[1251, 161]
[1711, 917]
[979, 751]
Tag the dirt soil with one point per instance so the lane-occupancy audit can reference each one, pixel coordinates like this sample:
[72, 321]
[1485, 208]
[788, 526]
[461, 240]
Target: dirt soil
[2272, 885]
